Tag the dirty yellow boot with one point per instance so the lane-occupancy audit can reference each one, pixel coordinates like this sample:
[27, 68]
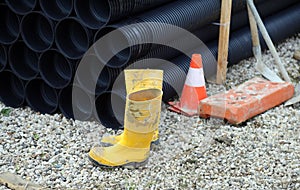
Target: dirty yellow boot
[136, 80]
[142, 116]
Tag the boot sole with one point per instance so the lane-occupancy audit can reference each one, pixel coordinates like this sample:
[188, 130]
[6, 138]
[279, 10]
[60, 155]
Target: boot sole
[131, 165]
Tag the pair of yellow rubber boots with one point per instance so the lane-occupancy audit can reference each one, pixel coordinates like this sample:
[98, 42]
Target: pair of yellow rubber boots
[141, 121]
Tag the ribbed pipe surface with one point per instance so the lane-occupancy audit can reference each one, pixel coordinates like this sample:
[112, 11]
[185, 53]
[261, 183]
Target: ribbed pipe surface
[37, 31]
[88, 75]
[211, 32]
[12, 91]
[21, 7]
[186, 14]
[23, 61]
[9, 24]
[56, 9]
[3, 57]
[96, 14]
[107, 113]
[41, 97]
[56, 70]
[82, 105]
[72, 38]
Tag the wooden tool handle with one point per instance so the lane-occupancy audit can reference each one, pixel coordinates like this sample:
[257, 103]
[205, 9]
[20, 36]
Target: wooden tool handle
[224, 40]
[254, 29]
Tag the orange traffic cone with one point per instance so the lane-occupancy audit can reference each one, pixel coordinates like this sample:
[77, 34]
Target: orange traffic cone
[193, 91]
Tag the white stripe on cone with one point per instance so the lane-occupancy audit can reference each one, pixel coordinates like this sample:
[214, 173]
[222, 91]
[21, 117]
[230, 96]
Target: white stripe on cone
[195, 78]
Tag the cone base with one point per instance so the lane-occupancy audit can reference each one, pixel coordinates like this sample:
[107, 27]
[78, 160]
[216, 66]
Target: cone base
[176, 107]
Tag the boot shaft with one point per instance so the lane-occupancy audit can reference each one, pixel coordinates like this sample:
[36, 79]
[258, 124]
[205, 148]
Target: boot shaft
[142, 111]
[141, 79]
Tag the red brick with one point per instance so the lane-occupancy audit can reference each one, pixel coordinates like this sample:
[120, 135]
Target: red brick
[246, 101]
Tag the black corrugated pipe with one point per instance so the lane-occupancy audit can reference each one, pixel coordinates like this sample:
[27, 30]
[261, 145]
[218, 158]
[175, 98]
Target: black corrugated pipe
[88, 73]
[21, 7]
[280, 26]
[108, 115]
[83, 104]
[211, 32]
[23, 61]
[240, 19]
[72, 38]
[3, 57]
[56, 70]
[57, 9]
[41, 97]
[187, 14]
[95, 14]
[90, 12]
[9, 24]
[37, 31]
[12, 92]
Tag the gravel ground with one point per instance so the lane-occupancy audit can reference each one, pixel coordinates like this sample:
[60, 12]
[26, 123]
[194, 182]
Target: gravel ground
[194, 153]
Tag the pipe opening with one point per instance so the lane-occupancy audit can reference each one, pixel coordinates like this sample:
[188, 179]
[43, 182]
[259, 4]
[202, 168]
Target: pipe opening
[3, 57]
[101, 9]
[55, 69]
[81, 105]
[103, 81]
[37, 31]
[12, 91]
[49, 95]
[57, 9]
[112, 45]
[21, 7]
[72, 39]
[65, 102]
[88, 75]
[41, 97]
[93, 13]
[9, 24]
[23, 61]
[109, 117]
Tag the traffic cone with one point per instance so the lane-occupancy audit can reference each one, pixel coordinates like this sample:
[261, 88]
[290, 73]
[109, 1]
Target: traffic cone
[194, 89]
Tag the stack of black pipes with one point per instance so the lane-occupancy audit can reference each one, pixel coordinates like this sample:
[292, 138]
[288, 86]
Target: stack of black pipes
[43, 41]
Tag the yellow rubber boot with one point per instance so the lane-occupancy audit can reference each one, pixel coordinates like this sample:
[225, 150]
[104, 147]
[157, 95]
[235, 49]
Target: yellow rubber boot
[142, 116]
[136, 80]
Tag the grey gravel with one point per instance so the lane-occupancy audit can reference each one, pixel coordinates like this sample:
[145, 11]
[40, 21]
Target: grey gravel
[194, 153]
